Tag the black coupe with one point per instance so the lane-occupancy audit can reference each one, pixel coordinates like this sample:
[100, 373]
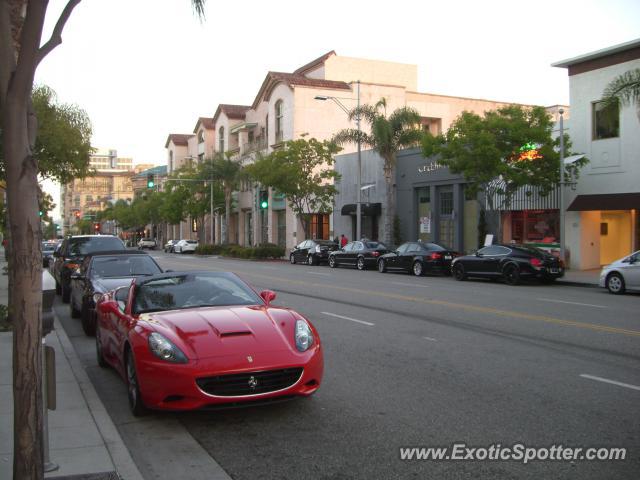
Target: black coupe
[361, 254]
[418, 258]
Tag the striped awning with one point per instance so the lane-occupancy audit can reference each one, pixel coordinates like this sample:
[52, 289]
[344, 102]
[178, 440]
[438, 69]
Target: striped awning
[525, 198]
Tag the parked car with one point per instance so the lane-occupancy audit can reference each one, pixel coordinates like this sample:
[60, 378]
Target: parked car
[622, 275]
[147, 243]
[312, 252]
[184, 246]
[418, 258]
[47, 252]
[101, 272]
[187, 340]
[168, 247]
[509, 262]
[362, 254]
[71, 253]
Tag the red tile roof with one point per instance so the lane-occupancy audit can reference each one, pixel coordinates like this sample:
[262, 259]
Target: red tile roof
[231, 111]
[206, 122]
[178, 139]
[274, 78]
[314, 63]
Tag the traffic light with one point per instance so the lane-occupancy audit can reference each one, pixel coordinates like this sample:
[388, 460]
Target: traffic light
[263, 200]
[96, 227]
[150, 182]
[41, 213]
[77, 214]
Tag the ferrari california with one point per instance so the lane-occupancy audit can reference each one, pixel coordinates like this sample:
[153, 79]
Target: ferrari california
[186, 340]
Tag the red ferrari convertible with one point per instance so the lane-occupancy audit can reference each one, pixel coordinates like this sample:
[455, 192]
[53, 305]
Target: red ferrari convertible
[194, 339]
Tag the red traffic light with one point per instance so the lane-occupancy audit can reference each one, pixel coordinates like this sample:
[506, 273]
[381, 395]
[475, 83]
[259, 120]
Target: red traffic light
[77, 214]
[96, 227]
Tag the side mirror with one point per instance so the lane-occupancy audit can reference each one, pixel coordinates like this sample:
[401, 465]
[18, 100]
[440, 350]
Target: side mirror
[268, 296]
[478, 254]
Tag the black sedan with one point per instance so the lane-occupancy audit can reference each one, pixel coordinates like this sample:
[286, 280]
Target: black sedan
[47, 252]
[312, 252]
[361, 254]
[102, 272]
[418, 258]
[509, 262]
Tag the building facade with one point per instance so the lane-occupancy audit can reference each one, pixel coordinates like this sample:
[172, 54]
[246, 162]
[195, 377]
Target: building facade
[602, 220]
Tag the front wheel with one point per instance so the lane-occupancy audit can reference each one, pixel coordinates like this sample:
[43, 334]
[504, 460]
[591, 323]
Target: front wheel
[292, 259]
[360, 264]
[458, 272]
[88, 320]
[311, 260]
[133, 389]
[102, 363]
[511, 275]
[417, 268]
[332, 262]
[615, 284]
[75, 313]
[382, 266]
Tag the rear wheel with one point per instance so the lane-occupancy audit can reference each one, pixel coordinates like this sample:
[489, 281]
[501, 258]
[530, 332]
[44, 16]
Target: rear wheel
[88, 320]
[417, 268]
[332, 261]
[458, 272]
[101, 361]
[133, 389]
[382, 266]
[360, 264]
[292, 259]
[311, 260]
[615, 283]
[511, 275]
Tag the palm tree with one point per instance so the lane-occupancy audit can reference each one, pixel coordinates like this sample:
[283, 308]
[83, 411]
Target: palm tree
[229, 173]
[624, 89]
[388, 135]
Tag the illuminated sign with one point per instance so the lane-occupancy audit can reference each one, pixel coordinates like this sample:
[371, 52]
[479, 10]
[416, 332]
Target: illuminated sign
[527, 152]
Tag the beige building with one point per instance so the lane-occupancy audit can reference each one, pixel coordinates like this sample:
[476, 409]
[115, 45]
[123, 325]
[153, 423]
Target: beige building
[287, 106]
[110, 182]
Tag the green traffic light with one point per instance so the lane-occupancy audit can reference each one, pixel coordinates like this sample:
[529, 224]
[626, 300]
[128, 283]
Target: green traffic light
[150, 184]
[40, 213]
[264, 204]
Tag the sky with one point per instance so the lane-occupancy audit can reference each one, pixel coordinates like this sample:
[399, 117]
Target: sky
[143, 69]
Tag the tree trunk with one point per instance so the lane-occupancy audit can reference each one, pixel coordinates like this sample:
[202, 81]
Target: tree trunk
[390, 212]
[25, 277]
[227, 216]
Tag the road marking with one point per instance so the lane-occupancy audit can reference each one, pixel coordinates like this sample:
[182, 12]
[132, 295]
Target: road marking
[319, 273]
[410, 285]
[430, 339]
[348, 318]
[612, 382]
[571, 303]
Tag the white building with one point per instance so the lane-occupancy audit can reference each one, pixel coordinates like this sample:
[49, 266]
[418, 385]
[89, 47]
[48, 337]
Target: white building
[602, 218]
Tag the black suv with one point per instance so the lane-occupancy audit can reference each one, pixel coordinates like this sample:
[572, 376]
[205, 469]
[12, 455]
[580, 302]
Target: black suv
[71, 253]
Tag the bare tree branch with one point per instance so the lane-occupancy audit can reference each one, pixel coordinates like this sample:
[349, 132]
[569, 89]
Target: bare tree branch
[56, 35]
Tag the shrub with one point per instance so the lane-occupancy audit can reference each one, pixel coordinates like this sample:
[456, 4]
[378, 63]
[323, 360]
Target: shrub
[265, 250]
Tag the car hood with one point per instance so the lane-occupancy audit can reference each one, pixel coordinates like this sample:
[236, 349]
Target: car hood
[103, 285]
[219, 331]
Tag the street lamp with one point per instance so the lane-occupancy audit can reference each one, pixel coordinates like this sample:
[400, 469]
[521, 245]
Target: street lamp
[359, 175]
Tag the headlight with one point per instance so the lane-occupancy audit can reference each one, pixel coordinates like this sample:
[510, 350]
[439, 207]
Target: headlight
[304, 337]
[97, 297]
[164, 349]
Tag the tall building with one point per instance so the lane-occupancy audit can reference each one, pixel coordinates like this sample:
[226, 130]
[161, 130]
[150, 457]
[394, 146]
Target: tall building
[110, 182]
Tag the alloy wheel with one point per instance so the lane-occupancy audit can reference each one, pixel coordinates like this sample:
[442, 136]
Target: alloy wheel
[458, 272]
[512, 275]
[417, 268]
[615, 284]
[360, 263]
[133, 389]
[332, 262]
[292, 259]
[381, 266]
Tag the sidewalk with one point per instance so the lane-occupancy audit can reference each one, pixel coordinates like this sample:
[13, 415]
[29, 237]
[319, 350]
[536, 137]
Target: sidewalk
[83, 440]
[581, 278]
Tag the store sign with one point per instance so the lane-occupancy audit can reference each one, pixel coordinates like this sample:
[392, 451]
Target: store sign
[425, 224]
[526, 153]
[430, 167]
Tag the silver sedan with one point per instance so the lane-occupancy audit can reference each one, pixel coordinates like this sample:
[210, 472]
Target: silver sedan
[622, 275]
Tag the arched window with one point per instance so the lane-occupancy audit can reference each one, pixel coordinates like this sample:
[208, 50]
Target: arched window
[279, 117]
[221, 140]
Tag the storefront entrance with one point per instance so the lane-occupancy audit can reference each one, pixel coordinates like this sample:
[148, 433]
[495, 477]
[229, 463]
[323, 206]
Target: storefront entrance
[615, 235]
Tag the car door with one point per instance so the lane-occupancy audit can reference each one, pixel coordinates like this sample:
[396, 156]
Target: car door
[352, 253]
[121, 321]
[479, 262]
[301, 251]
[393, 262]
[631, 271]
[342, 255]
[406, 258]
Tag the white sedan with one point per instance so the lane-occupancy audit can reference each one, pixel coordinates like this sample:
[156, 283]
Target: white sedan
[184, 246]
[621, 275]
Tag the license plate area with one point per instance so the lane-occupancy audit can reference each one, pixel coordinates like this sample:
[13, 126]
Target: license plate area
[553, 270]
[447, 257]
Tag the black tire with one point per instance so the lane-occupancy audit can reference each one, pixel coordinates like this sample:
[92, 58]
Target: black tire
[58, 288]
[332, 261]
[360, 265]
[615, 283]
[458, 272]
[136, 405]
[417, 268]
[382, 266]
[292, 259]
[102, 363]
[88, 320]
[311, 260]
[511, 275]
[66, 294]
[75, 313]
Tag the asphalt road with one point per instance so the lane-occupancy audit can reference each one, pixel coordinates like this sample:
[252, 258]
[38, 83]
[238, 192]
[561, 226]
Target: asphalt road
[414, 362]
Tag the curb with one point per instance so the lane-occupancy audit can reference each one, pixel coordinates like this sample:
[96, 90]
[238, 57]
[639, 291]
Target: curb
[122, 461]
[570, 283]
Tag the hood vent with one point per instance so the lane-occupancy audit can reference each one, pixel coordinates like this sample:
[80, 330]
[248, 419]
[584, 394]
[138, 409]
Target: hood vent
[234, 334]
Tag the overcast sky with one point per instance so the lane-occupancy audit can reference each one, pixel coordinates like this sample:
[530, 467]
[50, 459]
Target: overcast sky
[145, 68]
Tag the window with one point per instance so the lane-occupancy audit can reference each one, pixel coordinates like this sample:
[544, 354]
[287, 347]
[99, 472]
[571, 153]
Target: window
[358, 246]
[279, 115]
[540, 226]
[171, 161]
[446, 203]
[493, 251]
[403, 248]
[348, 247]
[201, 136]
[606, 120]
[221, 140]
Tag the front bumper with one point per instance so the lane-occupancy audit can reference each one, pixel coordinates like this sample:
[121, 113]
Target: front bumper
[170, 386]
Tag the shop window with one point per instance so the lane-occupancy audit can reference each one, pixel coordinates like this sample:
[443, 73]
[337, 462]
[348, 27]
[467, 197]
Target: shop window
[318, 226]
[535, 226]
[606, 120]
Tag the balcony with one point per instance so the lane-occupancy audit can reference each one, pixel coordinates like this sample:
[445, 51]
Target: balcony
[255, 146]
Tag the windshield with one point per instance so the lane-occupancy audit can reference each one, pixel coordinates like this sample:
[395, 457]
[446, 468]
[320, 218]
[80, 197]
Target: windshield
[48, 247]
[374, 245]
[124, 266]
[432, 246]
[86, 245]
[189, 290]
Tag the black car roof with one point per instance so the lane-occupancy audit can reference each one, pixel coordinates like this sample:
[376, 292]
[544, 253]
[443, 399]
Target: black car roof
[116, 252]
[159, 276]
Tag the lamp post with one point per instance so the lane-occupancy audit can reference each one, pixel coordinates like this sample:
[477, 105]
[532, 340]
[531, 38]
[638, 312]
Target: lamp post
[359, 173]
[562, 250]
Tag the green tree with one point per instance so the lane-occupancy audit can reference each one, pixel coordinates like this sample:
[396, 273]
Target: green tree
[508, 148]
[229, 173]
[387, 136]
[625, 89]
[22, 48]
[300, 170]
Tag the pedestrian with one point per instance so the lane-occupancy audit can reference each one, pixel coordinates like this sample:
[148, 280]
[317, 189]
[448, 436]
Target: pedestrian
[343, 240]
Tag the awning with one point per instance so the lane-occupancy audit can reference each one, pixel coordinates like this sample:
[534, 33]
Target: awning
[607, 201]
[367, 209]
